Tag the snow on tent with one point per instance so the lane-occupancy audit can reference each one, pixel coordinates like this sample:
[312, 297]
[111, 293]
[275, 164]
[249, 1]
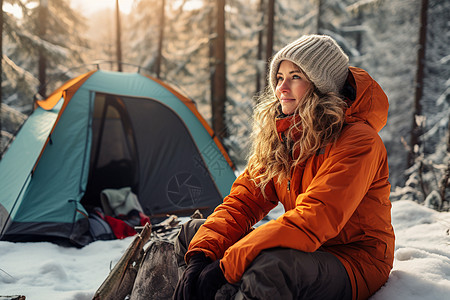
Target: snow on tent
[109, 130]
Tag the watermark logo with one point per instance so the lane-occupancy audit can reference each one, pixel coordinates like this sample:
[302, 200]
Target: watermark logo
[184, 190]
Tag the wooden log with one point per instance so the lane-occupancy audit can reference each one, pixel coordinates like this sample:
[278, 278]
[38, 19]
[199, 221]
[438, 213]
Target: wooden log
[120, 280]
[158, 274]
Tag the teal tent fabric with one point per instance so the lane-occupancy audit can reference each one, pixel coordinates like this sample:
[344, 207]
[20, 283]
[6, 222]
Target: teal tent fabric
[174, 165]
[19, 160]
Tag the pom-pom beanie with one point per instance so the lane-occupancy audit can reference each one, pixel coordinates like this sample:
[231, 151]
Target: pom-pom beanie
[319, 57]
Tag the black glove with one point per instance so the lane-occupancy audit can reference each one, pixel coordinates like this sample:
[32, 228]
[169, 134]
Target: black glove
[210, 281]
[185, 289]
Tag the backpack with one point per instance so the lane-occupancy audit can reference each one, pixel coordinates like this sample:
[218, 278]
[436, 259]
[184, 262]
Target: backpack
[98, 227]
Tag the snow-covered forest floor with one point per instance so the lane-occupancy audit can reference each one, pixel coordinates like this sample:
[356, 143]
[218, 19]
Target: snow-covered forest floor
[42, 271]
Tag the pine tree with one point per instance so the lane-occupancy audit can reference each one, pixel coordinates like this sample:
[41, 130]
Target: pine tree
[18, 84]
[62, 47]
[62, 44]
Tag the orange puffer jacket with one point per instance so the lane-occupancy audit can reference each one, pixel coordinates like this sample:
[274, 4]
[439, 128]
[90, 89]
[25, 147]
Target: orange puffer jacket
[337, 201]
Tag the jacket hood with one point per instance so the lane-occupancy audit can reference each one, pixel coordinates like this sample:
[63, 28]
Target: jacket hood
[369, 104]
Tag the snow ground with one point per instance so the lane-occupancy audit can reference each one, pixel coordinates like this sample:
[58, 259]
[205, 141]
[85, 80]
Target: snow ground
[47, 271]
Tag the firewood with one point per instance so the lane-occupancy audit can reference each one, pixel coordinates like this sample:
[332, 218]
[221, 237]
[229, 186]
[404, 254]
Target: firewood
[120, 280]
[158, 274]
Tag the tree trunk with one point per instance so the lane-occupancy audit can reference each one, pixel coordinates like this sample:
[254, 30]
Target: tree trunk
[118, 39]
[448, 136]
[416, 129]
[446, 176]
[42, 64]
[260, 49]
[220, 96]
[319, 16]
[359, 33]
[212, 69]
[270, 30]
[160, 40]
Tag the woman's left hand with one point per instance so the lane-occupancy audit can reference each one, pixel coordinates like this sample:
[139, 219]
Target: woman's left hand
[187, 283]
[210, 281]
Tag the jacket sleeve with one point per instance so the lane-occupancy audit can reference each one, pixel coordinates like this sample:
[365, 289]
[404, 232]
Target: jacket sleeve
[323, 209]
[232, 219]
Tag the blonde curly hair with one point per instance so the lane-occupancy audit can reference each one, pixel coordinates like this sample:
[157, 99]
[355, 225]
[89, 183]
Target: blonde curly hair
[318, 118]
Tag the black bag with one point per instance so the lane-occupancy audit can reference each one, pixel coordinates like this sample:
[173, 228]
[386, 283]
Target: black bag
[99, 228]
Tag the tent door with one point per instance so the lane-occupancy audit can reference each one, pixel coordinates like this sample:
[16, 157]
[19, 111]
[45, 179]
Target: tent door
[114, 159]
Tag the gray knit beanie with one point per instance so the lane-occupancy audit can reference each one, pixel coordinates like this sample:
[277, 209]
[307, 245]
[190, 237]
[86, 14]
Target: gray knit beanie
[320, 57]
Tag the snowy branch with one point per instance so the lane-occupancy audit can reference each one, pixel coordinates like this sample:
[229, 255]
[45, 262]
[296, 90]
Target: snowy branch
[363, 4]
[16, 73]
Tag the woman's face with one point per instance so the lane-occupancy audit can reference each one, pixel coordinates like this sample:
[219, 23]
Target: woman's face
[292, 86]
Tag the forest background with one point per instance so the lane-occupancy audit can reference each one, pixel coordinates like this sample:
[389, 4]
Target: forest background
[216, 53]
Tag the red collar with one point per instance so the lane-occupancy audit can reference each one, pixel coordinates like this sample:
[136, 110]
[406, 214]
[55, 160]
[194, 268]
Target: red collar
[283, 123]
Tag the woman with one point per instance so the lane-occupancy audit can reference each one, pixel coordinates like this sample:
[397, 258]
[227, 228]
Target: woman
[316, 150]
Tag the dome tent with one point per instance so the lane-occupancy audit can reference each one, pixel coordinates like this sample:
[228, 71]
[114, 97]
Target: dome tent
[102, 130]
